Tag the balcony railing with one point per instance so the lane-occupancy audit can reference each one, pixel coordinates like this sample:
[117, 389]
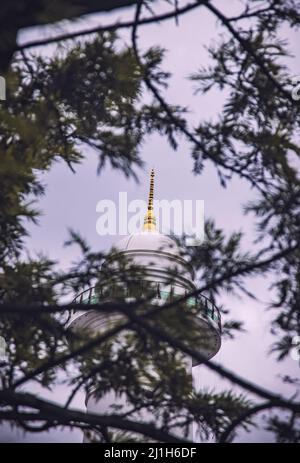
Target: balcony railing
[208, 308]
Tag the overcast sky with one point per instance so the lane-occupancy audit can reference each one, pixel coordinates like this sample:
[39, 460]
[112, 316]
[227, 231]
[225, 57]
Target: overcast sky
[71, 200]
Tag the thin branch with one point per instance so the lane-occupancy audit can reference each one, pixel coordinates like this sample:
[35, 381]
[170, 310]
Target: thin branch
[112, 27]
[248, 15]
[244, 416]
[85, 378]
[250, 268]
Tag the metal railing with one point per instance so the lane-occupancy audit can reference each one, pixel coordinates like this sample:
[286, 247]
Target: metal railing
[207, 307]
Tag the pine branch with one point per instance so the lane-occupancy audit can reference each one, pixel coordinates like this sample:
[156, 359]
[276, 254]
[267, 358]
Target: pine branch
[51, 412]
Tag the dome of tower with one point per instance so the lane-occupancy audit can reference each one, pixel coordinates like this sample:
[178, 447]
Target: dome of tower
[148, 240]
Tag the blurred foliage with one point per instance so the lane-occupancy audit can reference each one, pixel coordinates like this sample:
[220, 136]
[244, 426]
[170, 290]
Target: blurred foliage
[95, 93]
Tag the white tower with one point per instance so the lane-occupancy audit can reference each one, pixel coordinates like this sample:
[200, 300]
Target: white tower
[169, 274]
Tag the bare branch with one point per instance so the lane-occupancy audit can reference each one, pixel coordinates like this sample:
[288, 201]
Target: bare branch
[112, 27]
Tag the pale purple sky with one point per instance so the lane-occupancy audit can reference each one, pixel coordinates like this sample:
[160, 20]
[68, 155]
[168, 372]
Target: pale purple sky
[71, 200]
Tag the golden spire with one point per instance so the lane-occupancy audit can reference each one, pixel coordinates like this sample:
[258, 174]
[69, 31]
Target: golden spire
[150, 220]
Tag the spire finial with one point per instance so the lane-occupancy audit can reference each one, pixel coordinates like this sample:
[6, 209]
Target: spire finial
[150, 221]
